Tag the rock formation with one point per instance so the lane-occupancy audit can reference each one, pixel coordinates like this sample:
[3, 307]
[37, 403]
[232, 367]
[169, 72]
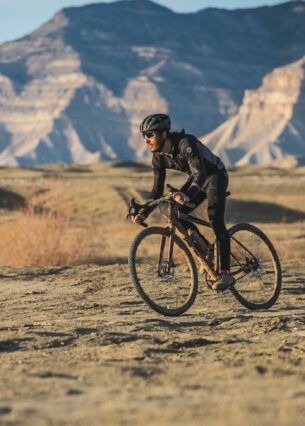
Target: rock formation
[76, 89]
[270, 124]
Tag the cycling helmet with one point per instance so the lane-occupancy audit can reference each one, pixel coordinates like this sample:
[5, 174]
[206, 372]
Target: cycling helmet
[155, 122]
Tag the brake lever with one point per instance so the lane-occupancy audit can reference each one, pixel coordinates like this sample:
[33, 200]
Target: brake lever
[131, 206]
[171, 189]
[133, 210]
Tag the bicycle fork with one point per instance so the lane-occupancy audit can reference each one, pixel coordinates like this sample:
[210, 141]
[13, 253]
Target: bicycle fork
[166, 268]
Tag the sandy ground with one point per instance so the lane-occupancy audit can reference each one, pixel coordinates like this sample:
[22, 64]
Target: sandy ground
[79, 347]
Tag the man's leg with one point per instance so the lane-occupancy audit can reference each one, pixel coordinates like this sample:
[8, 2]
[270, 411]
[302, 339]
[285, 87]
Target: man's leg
[215, 188]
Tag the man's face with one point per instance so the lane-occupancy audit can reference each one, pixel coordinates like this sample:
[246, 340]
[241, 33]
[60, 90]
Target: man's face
[153, 141]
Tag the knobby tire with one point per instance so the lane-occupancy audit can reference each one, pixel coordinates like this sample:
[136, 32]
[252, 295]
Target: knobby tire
[255, 266]
[169, 289]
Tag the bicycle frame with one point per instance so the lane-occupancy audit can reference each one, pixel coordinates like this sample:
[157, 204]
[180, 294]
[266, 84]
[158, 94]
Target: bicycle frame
[173, 217]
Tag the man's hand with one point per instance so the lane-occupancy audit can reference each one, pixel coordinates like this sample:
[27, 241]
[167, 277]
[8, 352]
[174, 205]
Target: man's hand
[181, 198]
[138, 218]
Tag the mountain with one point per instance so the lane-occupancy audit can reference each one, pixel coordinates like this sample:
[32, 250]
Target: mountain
[270, 125]
[76, 89]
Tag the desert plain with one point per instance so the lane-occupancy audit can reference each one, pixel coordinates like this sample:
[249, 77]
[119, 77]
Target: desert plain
[79, 347]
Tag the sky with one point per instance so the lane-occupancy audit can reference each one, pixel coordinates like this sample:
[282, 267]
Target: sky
[21, 17]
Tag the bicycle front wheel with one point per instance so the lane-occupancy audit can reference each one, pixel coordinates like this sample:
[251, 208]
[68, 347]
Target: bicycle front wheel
[166, 280]
[255, 266]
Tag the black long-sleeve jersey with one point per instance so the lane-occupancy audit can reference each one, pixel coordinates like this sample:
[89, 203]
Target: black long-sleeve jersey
[190, 156]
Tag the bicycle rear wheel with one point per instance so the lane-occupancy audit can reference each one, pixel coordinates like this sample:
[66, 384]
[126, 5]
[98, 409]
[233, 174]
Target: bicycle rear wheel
[255, 266]
[168, 285]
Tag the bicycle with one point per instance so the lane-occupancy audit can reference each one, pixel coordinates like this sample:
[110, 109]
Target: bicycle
[162, 262]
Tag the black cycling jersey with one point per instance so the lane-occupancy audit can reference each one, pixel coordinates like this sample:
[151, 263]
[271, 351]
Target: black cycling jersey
[190, 156]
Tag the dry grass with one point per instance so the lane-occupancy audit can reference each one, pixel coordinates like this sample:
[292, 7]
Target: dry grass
[32, 239]
[46, 231]
[76, 214]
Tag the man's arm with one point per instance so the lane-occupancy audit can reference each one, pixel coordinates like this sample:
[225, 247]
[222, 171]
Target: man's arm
[156, 192]
[196, 165]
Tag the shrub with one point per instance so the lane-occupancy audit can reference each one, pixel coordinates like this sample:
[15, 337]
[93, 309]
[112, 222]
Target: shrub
[31, 238]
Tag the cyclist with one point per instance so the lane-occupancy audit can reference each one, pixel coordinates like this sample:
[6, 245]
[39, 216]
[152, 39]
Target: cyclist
[207, 179]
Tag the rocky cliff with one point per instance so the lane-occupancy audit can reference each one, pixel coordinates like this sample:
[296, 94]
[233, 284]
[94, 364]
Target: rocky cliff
[76, 89]
[270, 124]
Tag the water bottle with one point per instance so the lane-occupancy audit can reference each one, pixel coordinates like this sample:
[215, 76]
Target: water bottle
[198, 242]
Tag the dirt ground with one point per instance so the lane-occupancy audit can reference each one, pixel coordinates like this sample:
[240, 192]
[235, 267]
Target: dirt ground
[79, 347]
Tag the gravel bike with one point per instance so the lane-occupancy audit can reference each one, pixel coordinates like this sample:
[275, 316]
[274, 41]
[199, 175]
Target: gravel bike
[163, 262]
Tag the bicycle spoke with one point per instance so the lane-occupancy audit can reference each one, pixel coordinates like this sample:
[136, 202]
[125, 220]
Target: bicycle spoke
[256, 267]
[169, 286]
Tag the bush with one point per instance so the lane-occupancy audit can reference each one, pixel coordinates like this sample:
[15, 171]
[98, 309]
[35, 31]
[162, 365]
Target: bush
[31, 238]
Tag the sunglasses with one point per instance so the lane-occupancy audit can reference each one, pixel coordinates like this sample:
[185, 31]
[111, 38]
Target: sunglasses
[149, 135]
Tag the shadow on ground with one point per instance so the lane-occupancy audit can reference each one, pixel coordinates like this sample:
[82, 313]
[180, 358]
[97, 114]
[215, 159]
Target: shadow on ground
[254, 211]
[11, 200]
